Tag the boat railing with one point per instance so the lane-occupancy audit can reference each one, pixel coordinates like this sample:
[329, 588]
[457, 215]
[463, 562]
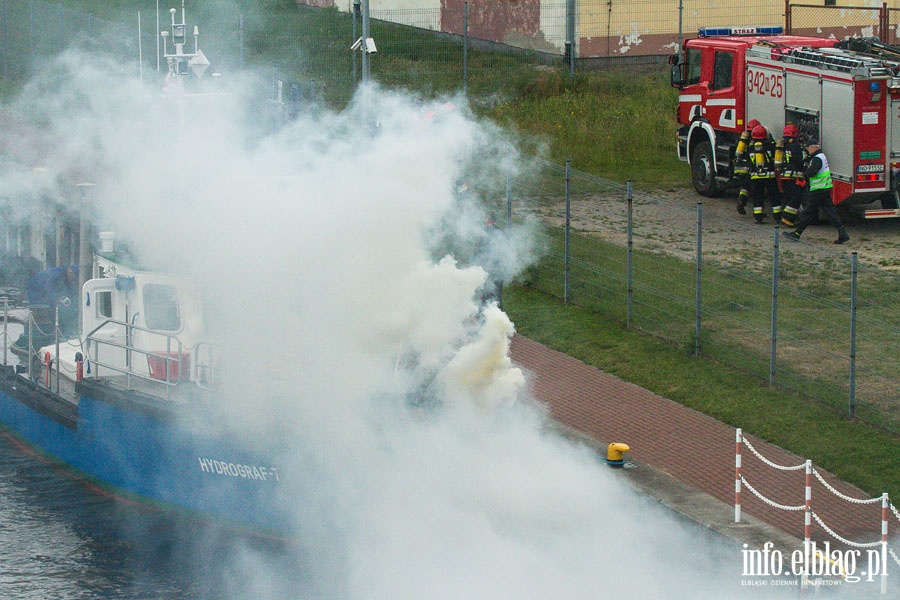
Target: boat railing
[168, 362]
[202, 370]
[44, 330]
[166, 368]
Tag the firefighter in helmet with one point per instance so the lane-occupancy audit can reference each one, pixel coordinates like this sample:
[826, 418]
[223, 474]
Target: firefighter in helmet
[742, 166]
[762, 174]
[789, 170]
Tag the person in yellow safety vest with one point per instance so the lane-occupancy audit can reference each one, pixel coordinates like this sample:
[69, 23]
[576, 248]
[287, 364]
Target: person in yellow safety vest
[762, 175]
[742, 166]
[818, 176]
[789, 170]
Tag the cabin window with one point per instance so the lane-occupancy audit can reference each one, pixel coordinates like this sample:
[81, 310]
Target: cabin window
[692, 71]
[722, 70]
[161, 307]
[103, 305]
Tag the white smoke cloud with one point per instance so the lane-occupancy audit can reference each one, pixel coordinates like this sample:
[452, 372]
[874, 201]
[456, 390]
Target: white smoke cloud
[418, 467]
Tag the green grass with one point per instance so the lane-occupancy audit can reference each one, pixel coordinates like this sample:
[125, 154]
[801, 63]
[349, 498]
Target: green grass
[618, 124]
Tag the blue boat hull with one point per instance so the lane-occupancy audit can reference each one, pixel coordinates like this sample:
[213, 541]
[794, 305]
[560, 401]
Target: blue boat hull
[140, 448]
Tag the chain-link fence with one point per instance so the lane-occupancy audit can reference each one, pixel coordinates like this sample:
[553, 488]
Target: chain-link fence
[844, 21]
[32, 31]
[800, 316]
[839, 21]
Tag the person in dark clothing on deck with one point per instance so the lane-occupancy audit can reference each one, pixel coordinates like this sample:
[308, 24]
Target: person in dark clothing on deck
[56, 287]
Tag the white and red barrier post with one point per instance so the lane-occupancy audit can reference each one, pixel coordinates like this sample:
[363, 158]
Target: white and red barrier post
[737, 476]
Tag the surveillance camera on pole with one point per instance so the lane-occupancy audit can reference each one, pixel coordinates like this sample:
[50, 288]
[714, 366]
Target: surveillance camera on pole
[369, 47]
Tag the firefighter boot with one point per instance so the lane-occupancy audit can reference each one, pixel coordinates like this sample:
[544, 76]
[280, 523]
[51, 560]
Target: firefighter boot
[743, 197]
[789, 217]
[843, 236]
[794, 236]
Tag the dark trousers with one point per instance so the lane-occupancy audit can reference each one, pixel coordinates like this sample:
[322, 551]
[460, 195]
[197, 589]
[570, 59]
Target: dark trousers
[744, 194]
[760, 189]
[819, 200]
[792, 196]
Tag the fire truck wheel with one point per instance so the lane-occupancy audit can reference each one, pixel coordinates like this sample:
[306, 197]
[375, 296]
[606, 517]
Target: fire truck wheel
[703, 171]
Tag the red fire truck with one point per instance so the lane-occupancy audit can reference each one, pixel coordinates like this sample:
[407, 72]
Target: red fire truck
[845, 93]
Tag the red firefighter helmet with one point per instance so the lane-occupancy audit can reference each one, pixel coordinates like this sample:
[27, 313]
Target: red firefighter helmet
[759, 133]
[752, 124]
[790, 131]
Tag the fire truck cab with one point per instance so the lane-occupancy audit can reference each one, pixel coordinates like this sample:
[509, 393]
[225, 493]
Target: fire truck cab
[846, 94]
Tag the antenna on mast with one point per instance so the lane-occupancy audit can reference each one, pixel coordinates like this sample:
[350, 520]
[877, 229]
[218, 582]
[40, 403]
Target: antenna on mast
[179, 62]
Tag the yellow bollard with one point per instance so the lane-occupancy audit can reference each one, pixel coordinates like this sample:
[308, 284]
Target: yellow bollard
[615, 454]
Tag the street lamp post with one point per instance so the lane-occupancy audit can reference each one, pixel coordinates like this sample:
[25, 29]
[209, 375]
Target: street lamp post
[365, 37]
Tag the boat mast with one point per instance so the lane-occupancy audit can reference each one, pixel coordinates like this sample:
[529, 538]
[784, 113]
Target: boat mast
[181, 63]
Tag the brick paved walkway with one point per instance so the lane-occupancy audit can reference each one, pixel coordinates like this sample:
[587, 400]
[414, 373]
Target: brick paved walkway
[691, 447]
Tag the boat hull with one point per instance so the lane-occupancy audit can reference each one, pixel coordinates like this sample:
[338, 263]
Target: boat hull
[141, 448]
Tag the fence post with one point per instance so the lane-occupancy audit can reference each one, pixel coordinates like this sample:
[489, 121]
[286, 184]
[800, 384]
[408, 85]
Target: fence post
[3, 38]
[568, 223]
[33, 41]
[570, 35]
[884, 23]
[680, 28]
[629, 236]
[465, 47]
[698, 302]
[3, 47]
[357, 17]
[59, 17]
[774, 332]
[853, 290]
[508, 191]
[365, 36]
[787, 17]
